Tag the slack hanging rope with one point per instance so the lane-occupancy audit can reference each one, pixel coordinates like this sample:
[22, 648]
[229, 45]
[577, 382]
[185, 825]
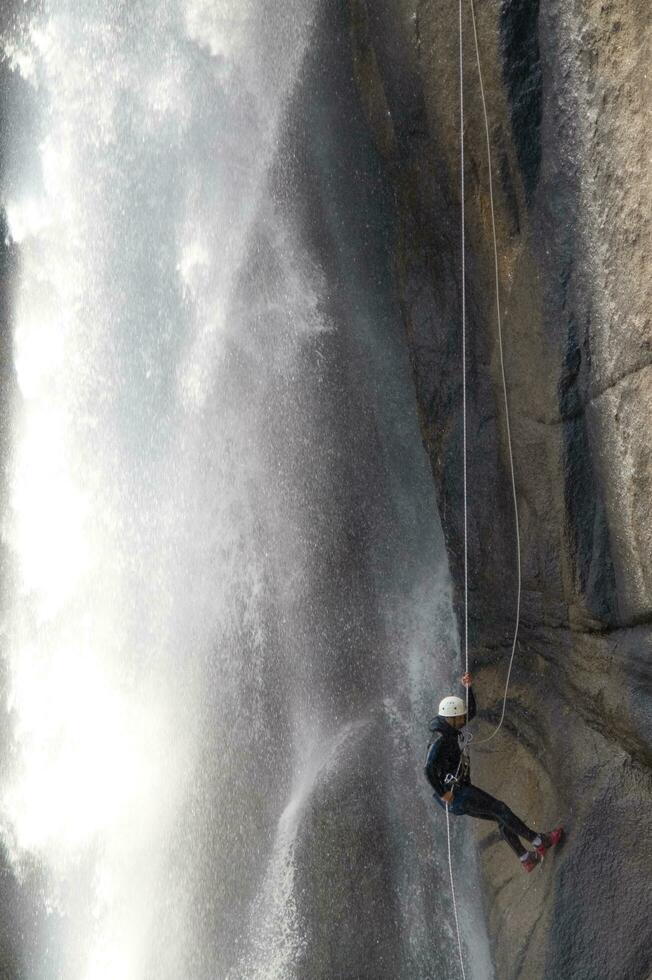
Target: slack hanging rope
[504, 382]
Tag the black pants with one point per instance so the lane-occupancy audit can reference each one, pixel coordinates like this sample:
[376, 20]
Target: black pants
[474, 802]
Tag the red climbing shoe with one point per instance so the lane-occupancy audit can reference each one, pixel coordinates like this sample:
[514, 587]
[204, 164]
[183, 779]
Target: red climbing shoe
[530, 862]
[549, 840]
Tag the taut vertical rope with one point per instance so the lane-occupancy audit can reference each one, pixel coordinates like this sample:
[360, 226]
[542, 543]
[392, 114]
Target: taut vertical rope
[464, 450]
[464, 419]
[464, 475]
[450, 870]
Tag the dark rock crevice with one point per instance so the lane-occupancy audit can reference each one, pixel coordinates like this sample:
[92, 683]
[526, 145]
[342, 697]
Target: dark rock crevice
[522, 75]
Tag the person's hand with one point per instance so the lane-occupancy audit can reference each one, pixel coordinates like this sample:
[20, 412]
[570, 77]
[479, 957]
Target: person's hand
[467, 680]
[448, 797]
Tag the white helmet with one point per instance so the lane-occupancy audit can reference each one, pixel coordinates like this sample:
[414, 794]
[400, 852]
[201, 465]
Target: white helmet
[451, 707]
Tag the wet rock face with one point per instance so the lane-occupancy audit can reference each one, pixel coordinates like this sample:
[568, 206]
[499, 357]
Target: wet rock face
[567, 98]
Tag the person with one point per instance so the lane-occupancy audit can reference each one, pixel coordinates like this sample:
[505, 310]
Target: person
[448, 772]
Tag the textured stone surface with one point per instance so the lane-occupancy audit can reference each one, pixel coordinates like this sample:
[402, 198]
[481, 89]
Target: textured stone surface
[568, 98]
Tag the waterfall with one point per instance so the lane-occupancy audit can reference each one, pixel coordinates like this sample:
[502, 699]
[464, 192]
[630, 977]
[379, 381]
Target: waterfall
[225, 601]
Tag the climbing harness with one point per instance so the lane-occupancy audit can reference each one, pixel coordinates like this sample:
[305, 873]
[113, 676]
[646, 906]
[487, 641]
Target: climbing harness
[464, 738]
[465, 758]
[453, 780]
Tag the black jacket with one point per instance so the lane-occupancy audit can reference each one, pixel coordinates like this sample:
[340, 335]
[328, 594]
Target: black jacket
[444, 754]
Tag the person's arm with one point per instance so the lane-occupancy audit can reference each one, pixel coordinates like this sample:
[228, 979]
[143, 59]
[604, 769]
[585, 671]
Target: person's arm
[467, 681]
[432, 766]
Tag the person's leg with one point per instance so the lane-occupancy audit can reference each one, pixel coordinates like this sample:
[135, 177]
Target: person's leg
[475, 802]
[507, 835]
[513, 841]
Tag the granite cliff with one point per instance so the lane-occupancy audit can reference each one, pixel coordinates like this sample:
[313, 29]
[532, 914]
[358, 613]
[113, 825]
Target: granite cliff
[568, 98]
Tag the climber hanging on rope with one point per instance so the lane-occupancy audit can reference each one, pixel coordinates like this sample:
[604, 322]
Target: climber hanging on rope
[448, 772]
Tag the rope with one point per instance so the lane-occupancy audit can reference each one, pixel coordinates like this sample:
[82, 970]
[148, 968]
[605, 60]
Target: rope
[464, 453]
[504, 382]
[464, 421]
[464, 473]
[450, 871]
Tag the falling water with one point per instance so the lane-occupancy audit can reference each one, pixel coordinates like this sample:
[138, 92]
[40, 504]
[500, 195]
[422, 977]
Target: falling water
[225, 606]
